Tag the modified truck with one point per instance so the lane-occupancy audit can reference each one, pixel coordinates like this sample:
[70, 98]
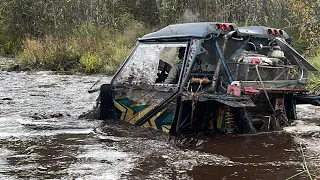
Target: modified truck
[227, 79]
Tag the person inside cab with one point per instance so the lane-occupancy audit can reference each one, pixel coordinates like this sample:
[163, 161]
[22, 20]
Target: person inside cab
[174, 73]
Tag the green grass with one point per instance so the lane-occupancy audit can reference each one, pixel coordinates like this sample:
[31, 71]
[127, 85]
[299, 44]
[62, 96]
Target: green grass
[48, 54]
[89, 49]
[314, 77]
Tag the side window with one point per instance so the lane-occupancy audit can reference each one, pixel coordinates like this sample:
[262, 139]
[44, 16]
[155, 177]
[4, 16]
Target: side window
[149, 64]
[170, 65]
[205, 62]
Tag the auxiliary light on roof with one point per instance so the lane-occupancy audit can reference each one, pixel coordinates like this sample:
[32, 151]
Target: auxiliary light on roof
[275, 32]
[224, 27]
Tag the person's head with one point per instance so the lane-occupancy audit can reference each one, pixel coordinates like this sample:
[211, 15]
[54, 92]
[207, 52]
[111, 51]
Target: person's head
[181, 52]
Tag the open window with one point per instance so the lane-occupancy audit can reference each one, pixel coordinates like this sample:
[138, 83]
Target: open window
[206, 61]
[170, 64]
[205, 64]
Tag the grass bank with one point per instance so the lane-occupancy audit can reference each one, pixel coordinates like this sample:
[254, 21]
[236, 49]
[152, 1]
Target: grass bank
[88, 49]
[314, 80]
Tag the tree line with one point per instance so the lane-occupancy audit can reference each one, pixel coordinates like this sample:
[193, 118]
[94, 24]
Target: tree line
[29, 18]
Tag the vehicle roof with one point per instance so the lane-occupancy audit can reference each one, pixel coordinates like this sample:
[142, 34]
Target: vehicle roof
[198, 30]
[260, 31]
[203, 29]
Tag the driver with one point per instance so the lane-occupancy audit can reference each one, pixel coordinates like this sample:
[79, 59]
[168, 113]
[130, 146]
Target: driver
[174, 72]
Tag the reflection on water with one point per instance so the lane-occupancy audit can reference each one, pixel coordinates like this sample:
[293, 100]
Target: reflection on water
[69, 148]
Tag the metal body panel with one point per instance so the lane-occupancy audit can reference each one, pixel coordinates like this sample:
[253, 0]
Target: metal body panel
[261, 32]
[132, 105]
[287, 48]
[195, 30]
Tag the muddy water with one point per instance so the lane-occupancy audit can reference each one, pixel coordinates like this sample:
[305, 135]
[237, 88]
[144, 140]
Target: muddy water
[34, 145]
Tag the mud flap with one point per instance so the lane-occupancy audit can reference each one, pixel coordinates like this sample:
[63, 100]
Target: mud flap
[106, 102]
[290, 106]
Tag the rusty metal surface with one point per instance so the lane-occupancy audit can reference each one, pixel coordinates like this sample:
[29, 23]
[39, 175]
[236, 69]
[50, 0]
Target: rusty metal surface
[294, 84]
[149, 87]
[280, 90]
[142, 96]
[233, 101]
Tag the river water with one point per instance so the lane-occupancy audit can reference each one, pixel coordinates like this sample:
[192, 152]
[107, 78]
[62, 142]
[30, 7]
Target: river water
[36, 142]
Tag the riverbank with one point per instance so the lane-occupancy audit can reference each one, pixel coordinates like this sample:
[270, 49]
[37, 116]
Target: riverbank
[314, 80]
[5, 62]
[88, 49]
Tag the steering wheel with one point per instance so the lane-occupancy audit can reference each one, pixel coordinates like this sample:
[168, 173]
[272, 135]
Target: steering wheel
[164, 69]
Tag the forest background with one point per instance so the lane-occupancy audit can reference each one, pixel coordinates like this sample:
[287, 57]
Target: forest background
[95, 36]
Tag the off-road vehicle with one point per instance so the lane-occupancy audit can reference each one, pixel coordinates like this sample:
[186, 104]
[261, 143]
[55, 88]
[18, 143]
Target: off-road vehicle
[231, 79]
